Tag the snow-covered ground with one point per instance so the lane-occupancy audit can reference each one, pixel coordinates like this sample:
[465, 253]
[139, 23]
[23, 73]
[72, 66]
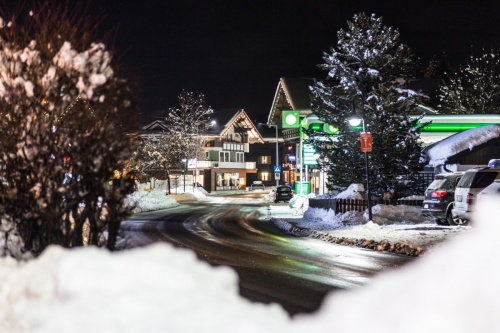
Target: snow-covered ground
[162, 289]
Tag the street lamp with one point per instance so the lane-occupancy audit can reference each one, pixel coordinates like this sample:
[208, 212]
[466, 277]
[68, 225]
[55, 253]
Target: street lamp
[184, 160]
[354, 120]
[277, 155]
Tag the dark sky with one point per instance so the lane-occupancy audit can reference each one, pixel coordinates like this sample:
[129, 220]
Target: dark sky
[236, 51]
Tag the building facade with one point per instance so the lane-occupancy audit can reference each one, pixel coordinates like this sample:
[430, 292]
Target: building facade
[223, 163]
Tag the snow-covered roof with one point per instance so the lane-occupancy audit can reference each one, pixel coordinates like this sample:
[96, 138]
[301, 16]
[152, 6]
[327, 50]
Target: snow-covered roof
[440, 152]
[241, 121]
[291, 94]
[157, 127]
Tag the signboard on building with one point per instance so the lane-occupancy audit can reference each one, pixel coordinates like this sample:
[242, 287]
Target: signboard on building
[310, 156]
[290, 119]
[366, 142]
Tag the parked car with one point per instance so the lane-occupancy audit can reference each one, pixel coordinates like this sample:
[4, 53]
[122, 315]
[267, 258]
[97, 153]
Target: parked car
[257, 185]
[283, 193]
[472, 182]
[490, 190]
[439, 197]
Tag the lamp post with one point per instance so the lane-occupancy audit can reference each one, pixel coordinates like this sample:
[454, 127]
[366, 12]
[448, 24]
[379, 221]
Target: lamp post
[184, 173]
[354, 120]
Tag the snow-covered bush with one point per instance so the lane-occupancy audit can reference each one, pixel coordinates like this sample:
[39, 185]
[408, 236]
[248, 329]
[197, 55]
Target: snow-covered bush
[64, 107]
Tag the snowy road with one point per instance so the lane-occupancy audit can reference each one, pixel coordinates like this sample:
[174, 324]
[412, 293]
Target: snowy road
[273, 267]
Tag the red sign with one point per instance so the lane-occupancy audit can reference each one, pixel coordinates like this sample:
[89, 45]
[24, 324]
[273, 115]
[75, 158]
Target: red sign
[366, 142]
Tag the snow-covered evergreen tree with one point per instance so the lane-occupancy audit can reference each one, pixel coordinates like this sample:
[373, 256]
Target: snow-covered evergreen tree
[473, 88]
[368, 72]
[63, 116]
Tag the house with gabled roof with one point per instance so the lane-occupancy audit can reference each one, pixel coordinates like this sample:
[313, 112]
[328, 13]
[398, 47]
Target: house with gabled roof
[155, 128]
[293, 94]
[225, 149]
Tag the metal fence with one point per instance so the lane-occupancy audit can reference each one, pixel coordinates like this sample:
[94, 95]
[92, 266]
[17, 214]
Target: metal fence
[345, 205]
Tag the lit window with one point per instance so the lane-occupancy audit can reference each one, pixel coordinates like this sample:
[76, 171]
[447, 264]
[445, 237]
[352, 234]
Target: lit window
[264, 176]
[264, 159]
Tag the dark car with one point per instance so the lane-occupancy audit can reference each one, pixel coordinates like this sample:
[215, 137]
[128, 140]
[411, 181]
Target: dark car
[439, 197]
[283, 193]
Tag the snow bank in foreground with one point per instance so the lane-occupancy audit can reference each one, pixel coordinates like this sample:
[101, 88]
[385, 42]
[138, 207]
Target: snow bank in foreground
[161, 289]
[153, 289]
[454, 290]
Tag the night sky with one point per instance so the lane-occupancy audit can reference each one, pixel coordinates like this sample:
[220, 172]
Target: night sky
[235, 51]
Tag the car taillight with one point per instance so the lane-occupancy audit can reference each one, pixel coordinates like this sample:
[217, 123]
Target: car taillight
[438, 194]
[471, 199]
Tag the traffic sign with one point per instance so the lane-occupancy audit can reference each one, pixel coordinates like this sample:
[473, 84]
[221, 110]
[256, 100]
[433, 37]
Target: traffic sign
[277, 168]
[277, 176]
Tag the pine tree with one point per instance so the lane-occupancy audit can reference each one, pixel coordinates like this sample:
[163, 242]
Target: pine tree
[368, 72]
[473, 88]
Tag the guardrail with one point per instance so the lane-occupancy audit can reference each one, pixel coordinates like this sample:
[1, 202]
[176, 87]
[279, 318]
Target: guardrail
[345, 205]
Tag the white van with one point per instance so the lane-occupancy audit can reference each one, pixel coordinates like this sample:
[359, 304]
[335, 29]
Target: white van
[472, 182]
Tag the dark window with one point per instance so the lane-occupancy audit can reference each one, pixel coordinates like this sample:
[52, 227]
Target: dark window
[438, 183]
[477, 179]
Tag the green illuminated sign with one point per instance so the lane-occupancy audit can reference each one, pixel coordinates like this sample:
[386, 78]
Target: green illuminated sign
[451, 127]
[325, 128]
[310, 156]
[290, 119]
[317, 127]
[330, 129]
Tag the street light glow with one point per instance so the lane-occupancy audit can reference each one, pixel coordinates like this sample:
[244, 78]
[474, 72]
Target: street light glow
[354, 121]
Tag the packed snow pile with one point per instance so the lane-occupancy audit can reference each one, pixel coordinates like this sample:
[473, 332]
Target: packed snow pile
[433, 294]
[153, 289]
[162, 289]
[395, 228]
[149, 198]
[354, 191]
[145, 200]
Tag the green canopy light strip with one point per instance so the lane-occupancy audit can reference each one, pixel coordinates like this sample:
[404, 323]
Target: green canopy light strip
[433, 127]
[452, 127]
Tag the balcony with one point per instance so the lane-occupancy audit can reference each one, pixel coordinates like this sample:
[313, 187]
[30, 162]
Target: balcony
[224, 165]
[228, 145]
[234, 165]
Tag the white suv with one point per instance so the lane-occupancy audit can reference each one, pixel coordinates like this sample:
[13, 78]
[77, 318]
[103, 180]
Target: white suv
[472, 182]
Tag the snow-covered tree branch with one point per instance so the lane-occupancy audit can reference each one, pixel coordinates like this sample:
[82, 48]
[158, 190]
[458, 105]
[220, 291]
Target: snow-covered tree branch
[65, 108]
[475, 87]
